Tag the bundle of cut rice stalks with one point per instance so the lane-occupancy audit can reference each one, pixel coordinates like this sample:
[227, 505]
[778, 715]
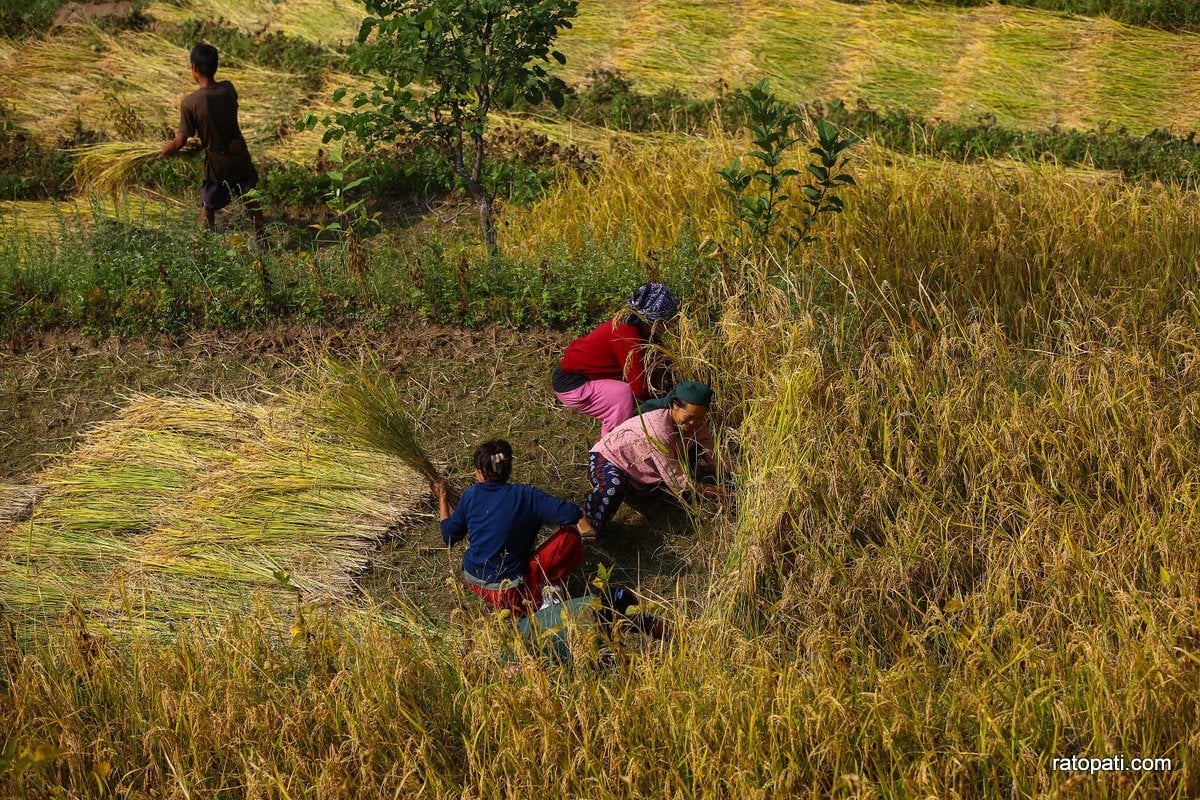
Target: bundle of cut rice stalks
[109, 167]
[365, 407]
[185, 506]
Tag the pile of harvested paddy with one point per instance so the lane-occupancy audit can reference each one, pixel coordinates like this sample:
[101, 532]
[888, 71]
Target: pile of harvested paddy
[183, 506]
[129, 86]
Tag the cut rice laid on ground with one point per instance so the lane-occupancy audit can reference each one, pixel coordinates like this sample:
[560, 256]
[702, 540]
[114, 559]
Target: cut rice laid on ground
[184, 506]
[1026, 68]
[129, 86]
[329, 21]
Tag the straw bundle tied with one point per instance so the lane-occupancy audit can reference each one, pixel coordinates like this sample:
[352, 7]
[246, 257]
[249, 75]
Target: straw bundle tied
[183, 506]
[108, 167]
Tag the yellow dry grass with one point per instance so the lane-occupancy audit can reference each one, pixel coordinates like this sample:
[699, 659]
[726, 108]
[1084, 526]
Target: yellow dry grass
[50, 219]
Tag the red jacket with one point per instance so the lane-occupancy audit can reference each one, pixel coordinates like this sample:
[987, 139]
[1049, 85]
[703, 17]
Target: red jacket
[612, 351]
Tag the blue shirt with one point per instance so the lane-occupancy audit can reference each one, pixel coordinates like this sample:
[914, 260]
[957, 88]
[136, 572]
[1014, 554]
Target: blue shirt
[502, 521]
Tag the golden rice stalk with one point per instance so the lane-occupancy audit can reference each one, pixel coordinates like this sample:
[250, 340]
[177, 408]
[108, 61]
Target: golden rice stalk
[186, 505]
[108, 167]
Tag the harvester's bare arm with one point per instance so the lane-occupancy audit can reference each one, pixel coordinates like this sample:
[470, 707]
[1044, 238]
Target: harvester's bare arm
[175, 145]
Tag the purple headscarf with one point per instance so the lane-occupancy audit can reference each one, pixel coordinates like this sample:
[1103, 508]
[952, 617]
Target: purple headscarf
[653, 301]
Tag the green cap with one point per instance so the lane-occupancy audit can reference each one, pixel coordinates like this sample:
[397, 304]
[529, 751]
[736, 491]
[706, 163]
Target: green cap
[691, 392]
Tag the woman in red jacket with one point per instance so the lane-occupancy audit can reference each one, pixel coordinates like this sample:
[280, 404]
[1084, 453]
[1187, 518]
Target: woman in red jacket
[603, 373]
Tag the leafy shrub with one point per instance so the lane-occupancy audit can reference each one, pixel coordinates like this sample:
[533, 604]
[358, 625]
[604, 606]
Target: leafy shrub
[609, 99]
[27, 170]
[21, 17]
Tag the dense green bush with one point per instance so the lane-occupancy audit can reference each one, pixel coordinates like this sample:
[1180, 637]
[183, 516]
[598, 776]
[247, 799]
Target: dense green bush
[20, 17]
[1158, 155]
[27, 170]
[124, 276]
[609, 99]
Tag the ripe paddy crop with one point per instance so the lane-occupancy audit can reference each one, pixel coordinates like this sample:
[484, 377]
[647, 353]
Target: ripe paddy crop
[963, 424]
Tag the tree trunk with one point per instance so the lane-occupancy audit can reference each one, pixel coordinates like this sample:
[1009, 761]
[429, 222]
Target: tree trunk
[483, 198]
[488, 223]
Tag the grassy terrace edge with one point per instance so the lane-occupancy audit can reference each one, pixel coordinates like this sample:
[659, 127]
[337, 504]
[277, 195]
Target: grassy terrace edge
[1165, 14]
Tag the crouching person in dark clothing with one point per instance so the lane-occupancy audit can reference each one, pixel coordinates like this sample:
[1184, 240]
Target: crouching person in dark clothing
[500, 521]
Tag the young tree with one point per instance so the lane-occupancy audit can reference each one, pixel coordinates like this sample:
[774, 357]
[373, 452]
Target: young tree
[759, 192]
[441, 66]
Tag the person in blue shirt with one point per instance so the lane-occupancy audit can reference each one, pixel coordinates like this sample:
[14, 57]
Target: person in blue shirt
[500, 521]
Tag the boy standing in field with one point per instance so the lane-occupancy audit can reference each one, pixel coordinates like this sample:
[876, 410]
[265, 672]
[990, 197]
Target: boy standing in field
[211, 112]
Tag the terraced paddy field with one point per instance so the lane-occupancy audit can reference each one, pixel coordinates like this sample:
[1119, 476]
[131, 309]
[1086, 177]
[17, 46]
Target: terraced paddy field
[961, 425]
[1026, 68]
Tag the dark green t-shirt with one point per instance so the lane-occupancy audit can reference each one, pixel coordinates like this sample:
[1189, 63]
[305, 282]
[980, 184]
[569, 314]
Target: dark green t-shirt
[212, 114]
